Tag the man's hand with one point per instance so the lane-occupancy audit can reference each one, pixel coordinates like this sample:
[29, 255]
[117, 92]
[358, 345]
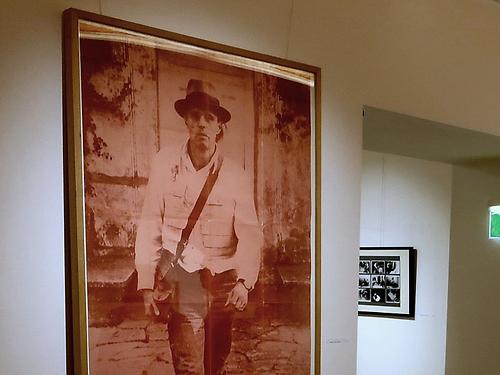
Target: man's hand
[238, 296]
[149, 303]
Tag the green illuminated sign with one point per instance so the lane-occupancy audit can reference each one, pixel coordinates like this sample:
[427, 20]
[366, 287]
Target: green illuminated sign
[495, 222]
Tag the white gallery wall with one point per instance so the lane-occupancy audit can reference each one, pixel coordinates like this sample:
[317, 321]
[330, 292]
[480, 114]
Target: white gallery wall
[421, 58]
[407, 202]
[473, 302]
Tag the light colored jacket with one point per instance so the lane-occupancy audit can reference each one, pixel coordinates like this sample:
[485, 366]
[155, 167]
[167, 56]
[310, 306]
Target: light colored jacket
[227, 232]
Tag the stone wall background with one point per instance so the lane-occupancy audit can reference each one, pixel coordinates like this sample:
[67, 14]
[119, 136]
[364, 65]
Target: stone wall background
[128, 96]
[128, 93]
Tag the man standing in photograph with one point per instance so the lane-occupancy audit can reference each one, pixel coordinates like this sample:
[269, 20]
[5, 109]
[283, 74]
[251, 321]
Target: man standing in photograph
[199, 214]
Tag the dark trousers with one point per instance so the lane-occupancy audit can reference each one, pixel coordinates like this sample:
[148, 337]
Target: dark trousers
[200, 326]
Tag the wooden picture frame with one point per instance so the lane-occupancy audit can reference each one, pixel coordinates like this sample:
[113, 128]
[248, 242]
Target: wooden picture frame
[387, 282]
[127, 98]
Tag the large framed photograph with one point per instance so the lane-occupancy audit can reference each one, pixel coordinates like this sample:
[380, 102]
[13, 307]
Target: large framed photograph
[387, 279]
[192, 204]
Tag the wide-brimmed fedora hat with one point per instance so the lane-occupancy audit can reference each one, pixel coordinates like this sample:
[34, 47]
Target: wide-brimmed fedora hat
[201, 94]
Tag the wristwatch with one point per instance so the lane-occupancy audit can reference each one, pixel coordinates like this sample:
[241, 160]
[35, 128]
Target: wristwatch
[242, 281]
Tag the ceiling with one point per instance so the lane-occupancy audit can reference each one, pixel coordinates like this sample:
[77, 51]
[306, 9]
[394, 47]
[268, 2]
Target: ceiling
[394, 133]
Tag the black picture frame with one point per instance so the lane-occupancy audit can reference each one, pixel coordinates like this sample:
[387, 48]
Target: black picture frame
[387, 282]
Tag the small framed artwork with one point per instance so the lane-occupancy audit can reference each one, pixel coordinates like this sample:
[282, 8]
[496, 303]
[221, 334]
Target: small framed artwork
[387, 279]
[185, 163]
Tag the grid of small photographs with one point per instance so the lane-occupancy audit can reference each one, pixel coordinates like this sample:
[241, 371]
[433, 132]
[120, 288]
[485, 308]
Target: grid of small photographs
[380, 281]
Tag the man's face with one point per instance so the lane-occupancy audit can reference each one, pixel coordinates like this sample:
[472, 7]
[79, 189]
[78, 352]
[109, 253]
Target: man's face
[203, 127]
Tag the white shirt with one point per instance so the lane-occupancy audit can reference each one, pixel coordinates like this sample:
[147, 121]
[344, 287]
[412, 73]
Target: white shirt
[227, 234]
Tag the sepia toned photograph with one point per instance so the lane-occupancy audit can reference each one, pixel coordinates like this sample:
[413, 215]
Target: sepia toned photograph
[198, 188]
